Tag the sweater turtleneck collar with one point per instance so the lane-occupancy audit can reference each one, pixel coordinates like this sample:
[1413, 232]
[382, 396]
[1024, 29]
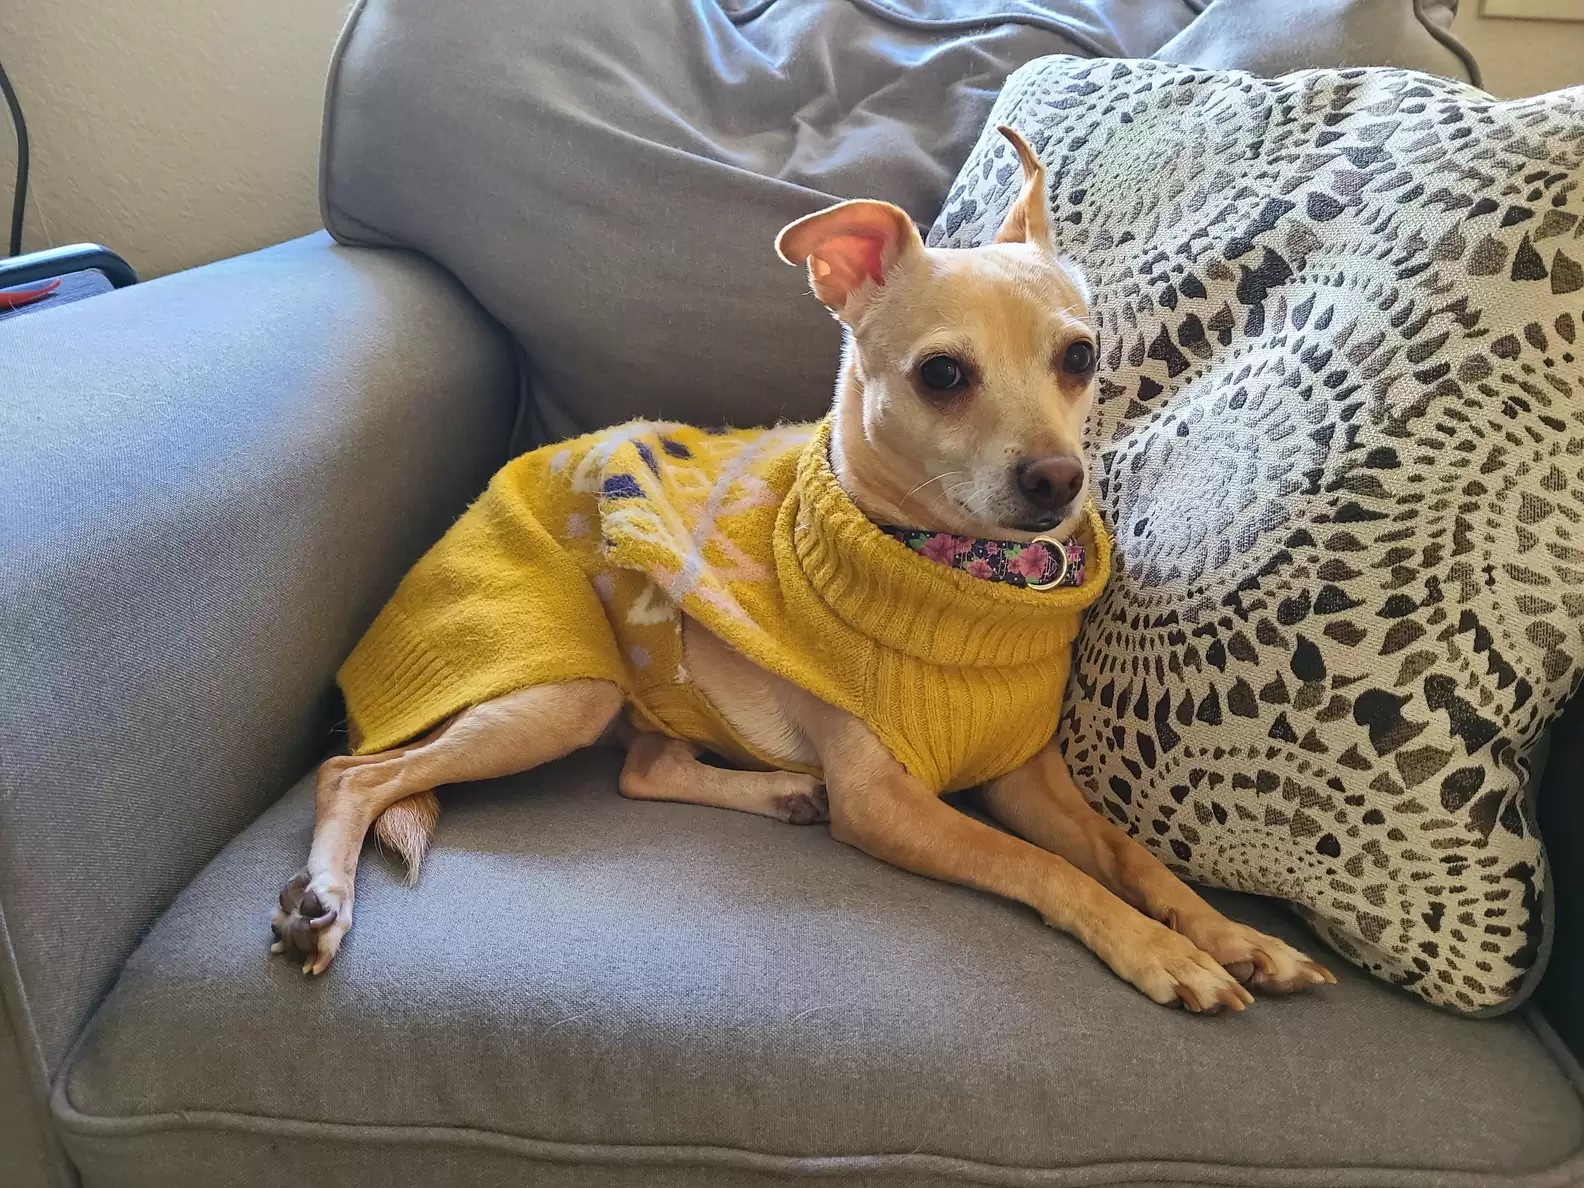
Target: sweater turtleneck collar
[905, 601]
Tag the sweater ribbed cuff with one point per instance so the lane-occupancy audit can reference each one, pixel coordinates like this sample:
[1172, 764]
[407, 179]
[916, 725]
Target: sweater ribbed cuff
[393, 684]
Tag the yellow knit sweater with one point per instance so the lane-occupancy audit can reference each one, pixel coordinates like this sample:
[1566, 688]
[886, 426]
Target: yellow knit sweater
[577, 559]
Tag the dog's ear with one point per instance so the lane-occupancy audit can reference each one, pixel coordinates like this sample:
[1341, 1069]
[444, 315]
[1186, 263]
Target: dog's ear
[849, 249]
[1029, 219]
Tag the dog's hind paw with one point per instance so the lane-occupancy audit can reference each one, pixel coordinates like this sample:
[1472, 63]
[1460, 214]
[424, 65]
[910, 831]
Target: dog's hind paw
[804, 807]
[313, 917]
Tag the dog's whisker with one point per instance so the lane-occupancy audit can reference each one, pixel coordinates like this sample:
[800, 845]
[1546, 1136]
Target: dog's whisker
[970, 504]
[943, 474]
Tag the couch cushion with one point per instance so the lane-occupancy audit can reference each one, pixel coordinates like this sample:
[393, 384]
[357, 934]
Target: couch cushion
[579, 979]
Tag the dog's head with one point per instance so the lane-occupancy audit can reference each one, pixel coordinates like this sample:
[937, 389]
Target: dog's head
[968, 373]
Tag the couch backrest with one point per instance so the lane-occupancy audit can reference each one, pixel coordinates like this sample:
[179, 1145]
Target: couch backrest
[608, 179]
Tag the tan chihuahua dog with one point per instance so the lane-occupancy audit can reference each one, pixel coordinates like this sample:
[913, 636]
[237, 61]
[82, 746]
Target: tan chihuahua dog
[1004, 330]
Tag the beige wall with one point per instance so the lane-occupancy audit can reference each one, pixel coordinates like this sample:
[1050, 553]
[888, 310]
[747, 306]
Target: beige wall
[1522, 57]
[174, 131]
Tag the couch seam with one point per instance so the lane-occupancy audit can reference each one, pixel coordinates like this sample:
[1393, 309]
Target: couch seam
[1448, 39]
[1569, 1064]
[24, 1037]
[1567, 1174]
[366, 235]
[327, 118]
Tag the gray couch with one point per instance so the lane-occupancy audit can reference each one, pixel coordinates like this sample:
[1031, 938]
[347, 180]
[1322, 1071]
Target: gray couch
[549, 216]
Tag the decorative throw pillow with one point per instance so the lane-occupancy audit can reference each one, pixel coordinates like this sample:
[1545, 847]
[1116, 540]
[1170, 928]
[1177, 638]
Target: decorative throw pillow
[1339, 439]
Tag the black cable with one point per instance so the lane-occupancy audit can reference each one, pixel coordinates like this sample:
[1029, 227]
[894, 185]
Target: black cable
[19, 202]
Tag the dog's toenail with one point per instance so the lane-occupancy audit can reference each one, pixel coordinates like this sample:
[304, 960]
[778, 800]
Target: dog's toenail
[292, 891]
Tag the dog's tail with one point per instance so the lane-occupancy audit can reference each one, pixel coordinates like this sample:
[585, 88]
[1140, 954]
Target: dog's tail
[407, 826]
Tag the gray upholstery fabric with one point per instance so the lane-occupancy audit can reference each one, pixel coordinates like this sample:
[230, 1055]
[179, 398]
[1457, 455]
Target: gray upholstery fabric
[1271, 37]
[209, 484]
[580, 978]
[608, 179]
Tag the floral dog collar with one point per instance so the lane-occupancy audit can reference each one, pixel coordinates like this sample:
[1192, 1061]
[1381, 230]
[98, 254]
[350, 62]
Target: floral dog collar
[1040, 564]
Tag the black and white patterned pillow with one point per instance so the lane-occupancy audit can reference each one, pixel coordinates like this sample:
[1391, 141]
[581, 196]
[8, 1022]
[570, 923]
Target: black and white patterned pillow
[1339, 439]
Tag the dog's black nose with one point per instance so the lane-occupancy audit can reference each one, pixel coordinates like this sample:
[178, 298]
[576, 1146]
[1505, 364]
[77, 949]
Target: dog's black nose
[1050, 483]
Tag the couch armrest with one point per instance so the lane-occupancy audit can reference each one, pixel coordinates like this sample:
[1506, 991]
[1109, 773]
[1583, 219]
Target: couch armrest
[1561, 805]
[209, 484]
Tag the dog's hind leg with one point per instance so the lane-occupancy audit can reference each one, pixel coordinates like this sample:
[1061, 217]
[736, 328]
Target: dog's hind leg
[509, 734]
[1039, 801]
[662, 768]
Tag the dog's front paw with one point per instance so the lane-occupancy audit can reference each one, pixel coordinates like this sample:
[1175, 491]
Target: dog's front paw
[1268, 964]
[1171, 970]
[313, 916]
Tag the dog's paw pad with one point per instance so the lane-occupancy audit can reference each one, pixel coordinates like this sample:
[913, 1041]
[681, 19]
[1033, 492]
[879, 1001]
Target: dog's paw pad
[804, 808]
[308, 925]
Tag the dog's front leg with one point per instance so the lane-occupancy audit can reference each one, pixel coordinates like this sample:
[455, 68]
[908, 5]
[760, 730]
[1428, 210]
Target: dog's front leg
[1039, 801]
[878, 807]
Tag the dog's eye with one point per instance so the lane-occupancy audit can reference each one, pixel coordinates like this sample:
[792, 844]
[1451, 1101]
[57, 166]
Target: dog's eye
[942, 373]
[1080, 358]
